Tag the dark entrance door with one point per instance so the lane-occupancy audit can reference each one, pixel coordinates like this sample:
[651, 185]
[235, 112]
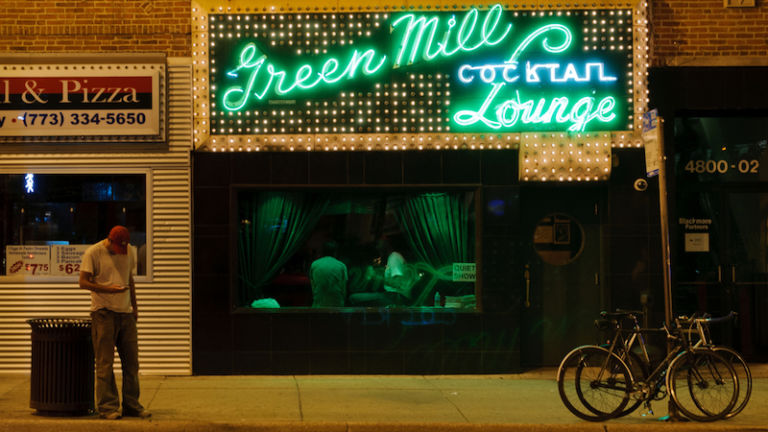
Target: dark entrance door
[560, 230]
[724, 263]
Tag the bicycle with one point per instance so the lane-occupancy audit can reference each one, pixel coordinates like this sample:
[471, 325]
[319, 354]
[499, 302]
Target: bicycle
[596, 383]
[743, 373]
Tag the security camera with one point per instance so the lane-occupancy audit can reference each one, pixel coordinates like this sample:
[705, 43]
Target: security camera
[641, 185]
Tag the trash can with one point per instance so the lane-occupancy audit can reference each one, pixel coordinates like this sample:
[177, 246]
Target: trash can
[61, 382]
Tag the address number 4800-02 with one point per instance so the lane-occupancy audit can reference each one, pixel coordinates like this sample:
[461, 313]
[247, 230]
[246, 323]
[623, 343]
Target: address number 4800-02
[744, 166]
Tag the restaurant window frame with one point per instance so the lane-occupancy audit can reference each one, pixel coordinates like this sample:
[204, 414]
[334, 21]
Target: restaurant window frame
[475, 244]
[92, 171]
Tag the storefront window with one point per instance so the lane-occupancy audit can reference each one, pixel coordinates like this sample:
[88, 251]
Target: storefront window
[353, 248]
[48, 220]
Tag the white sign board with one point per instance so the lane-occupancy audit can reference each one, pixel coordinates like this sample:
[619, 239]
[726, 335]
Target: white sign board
[697, 242]
[65, 259]
[27, 260]
[652, 142]
[79, 101]
[464, 272]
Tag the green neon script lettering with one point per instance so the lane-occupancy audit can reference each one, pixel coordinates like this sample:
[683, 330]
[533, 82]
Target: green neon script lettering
[278, 81]
[513, 111]
[567, 38]
[419, 35]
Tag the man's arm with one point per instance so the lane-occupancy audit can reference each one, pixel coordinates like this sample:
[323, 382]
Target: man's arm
[86, 282]
[133, 297]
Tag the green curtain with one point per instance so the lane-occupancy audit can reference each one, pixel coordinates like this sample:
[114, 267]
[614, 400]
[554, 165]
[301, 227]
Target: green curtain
[438, 229]
[273, 225]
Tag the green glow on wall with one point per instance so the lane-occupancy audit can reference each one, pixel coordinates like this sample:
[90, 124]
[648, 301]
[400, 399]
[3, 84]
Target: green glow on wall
[463, 71]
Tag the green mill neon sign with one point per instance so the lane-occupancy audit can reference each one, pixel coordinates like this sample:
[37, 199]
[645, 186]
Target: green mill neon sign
[488, 70]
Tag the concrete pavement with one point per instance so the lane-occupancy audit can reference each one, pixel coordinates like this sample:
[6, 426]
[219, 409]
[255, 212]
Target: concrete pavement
[520, 402]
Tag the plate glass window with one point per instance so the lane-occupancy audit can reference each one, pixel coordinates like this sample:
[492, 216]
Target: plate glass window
[49, 219]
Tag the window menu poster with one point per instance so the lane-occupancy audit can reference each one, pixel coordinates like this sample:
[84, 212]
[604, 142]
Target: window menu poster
[65, 259]
[27, 260]
[44, 260]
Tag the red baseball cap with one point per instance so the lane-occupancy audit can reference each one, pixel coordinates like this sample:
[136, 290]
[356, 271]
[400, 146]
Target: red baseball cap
[119, 237]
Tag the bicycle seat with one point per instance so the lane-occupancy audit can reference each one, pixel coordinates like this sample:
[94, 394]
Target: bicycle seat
[620, 313]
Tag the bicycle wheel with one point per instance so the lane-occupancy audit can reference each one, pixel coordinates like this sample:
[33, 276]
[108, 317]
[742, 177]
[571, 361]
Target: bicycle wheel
[639, 371]
[702, 385]
[742, 373]
[593, 383]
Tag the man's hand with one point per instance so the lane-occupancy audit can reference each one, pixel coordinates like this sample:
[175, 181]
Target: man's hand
[115, 288]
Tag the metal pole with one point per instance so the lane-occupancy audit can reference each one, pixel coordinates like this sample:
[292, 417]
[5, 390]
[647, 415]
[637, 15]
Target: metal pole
[665, 251]
[664, 216]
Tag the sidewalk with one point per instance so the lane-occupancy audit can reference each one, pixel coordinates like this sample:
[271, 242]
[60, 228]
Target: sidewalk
[524, 402]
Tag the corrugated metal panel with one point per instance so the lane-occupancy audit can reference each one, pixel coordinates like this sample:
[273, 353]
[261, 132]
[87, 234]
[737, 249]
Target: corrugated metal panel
[164, 299]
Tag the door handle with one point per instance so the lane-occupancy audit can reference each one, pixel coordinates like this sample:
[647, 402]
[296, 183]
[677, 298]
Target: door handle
[527, 275]
[733, 273]
[719, 273]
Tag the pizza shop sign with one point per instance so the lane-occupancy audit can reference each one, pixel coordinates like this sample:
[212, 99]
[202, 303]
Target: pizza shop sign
[502, 71]
[84, 103]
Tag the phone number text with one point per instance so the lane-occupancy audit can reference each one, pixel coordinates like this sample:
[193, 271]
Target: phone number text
[30, 119]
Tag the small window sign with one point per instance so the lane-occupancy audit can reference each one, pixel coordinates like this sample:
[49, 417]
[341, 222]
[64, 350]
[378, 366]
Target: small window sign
[739, 3]
[464, 272]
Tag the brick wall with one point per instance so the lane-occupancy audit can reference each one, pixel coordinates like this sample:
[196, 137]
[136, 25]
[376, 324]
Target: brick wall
[124, 26]
[704, 31]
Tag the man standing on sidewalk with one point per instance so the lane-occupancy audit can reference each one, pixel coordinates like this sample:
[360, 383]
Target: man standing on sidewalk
[106, 271]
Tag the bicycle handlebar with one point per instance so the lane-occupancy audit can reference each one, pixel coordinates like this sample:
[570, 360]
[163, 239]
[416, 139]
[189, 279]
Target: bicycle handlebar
[731, 315]
[708, 320]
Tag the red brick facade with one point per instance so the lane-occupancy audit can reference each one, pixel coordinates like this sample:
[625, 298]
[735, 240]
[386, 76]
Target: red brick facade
[83, 26]
[683, 29]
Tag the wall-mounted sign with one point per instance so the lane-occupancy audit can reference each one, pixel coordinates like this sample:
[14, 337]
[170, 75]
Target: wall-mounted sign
[476, 70]
[652, 142]
[75, 101]
[721, 149]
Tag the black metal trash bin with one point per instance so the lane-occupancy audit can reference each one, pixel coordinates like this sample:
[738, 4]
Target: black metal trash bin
[61, 382]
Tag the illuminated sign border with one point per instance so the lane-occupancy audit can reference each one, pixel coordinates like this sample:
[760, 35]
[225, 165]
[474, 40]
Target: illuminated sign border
[398, 140]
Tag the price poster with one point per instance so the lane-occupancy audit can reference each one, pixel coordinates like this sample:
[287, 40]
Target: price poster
[27, 260]
[65, 259]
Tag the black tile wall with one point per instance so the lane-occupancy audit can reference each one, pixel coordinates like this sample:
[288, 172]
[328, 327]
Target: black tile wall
[461, 166]
[383, 168]
[254, 169]
[211, 205]
[423, 167]
[297, 342]
[328, 168]
[289, 168]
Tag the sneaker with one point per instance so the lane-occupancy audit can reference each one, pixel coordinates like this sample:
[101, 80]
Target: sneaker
[114, 415]
[143, 414]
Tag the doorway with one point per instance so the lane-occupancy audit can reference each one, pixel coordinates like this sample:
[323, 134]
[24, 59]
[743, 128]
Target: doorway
[562, 289]
[723, 263]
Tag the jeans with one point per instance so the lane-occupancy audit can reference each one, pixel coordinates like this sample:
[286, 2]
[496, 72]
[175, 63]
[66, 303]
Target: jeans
[109, 330]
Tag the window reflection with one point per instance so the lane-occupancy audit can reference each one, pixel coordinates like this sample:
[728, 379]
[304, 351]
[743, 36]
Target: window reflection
[49, 219]
[348, 248]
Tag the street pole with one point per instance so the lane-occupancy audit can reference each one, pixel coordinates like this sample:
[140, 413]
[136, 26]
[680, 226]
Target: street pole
[656, 164]
[664, 216]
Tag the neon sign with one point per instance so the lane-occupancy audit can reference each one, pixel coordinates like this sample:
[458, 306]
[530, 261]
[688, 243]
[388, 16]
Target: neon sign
[461, 71]
[29, 183]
